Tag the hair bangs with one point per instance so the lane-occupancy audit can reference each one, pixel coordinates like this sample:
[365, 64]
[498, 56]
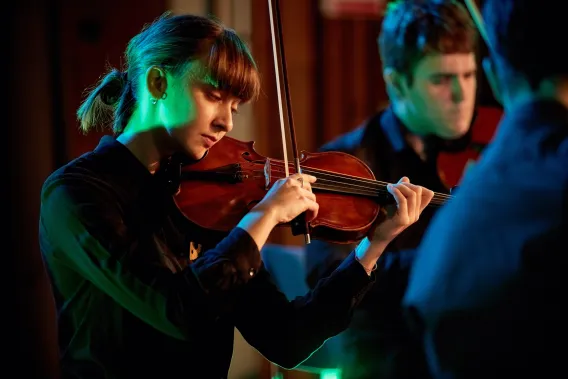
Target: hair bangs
[232, 68]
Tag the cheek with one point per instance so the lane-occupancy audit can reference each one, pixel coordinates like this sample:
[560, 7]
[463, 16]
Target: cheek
[428, 100]
[471, 91]
[181, 110]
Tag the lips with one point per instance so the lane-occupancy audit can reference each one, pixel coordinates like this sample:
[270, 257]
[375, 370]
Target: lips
[208, 141]
[211, 138]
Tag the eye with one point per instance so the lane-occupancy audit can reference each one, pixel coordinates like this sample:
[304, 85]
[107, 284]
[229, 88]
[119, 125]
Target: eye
[235, 111]
[214, 95]
[470, 75]
[441, 79]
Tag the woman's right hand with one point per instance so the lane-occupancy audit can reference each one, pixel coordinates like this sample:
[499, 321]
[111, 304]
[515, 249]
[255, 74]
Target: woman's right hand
[288, 198]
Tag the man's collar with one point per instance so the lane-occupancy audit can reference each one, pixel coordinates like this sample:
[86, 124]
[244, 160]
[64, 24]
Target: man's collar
[396, 132]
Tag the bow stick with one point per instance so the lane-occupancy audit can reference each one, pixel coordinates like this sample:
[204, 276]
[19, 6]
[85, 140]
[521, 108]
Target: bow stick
[477, 20]
[299, 224]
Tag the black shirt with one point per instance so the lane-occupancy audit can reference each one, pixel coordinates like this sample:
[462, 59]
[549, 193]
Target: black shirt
[378, 343]
[136, 298]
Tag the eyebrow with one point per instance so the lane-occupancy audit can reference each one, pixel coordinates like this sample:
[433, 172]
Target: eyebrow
[449, 73]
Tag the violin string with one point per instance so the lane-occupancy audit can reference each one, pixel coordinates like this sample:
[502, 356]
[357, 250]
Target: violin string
[325, 184]
[333, 186]
[320, 173]
[331, 181]
[351, 180]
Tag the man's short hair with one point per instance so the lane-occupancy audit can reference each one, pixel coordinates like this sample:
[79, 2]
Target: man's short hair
[412, 29]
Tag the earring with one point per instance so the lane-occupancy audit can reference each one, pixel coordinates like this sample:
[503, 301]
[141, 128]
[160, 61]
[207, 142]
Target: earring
[155, 101]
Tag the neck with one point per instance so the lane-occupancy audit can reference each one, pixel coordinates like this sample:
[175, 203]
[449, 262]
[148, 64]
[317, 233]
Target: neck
[146, 143]
[417, 143]
[548, 90]
[143, 147]
[554, 90]
[413, 138]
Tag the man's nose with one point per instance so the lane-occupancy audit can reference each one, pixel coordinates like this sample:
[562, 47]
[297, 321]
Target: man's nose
[457, 90]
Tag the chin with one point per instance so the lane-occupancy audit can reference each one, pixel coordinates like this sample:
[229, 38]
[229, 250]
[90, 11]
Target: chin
[195, 153]
[457, 130]
[454, 133]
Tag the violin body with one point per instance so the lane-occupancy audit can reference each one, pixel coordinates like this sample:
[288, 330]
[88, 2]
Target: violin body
[453, 165]
[217, 191]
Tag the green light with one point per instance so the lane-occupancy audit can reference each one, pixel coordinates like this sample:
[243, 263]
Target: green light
[330, 374]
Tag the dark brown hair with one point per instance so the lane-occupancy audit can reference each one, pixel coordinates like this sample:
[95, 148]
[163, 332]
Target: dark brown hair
[524, 36]
[171, 42]
[411, 29]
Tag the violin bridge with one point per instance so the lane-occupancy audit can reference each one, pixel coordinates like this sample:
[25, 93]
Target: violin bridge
[267, 171]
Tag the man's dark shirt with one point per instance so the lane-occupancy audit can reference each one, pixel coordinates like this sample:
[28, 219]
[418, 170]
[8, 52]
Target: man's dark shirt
[488, 286]
[135, 298]
[377, 343]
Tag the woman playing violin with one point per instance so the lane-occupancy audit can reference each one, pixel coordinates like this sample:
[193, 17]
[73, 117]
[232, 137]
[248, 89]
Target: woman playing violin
[133, 299]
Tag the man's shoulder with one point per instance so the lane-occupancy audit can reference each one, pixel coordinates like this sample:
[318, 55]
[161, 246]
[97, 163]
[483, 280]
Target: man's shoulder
[350, 141]
[347, 142]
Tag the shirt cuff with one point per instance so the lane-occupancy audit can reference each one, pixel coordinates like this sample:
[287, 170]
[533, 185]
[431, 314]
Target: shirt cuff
[359, 281]
[242, 250]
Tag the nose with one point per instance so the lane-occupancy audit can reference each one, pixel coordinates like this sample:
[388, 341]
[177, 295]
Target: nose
[458, 90]
[224, 120]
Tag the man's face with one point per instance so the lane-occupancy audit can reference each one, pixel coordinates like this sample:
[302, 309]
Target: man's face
[441, 98]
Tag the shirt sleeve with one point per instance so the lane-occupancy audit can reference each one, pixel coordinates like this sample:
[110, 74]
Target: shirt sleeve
[83, 227]
[288, 332]
[322, 258]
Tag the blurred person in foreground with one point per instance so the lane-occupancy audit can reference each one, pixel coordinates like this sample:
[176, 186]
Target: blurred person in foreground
[486, 290]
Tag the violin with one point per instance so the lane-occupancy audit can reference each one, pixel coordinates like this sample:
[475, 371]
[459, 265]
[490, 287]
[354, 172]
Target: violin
[453, 165]
[217, 191]
[233, 178]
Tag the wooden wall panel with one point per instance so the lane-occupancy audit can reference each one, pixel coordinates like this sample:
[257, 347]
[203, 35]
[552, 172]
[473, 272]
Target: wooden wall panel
[352, 86]
[93, 34]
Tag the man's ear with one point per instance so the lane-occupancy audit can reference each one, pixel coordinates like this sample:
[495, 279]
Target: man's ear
[156, 82]
[489, 69]
[395, 83]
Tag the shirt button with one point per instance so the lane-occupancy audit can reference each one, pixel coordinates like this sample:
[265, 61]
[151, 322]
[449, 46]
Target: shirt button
[252, 271]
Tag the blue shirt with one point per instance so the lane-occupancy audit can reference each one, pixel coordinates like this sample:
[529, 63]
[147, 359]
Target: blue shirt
[485, 289]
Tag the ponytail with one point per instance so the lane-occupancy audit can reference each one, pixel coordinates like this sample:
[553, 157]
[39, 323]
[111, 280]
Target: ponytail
[112, 99]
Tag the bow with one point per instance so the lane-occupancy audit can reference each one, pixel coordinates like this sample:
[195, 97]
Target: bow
[298, 225]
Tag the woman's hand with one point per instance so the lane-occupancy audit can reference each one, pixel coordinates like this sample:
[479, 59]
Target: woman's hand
[411, 200]
[289, 197]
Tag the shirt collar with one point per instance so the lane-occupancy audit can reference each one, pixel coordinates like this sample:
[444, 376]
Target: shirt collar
[396, 132]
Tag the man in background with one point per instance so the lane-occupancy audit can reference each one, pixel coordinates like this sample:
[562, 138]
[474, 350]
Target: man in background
[429, 66]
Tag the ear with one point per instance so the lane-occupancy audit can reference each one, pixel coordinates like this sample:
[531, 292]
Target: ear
[489, 69]
[395, 83]
[156, 82]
